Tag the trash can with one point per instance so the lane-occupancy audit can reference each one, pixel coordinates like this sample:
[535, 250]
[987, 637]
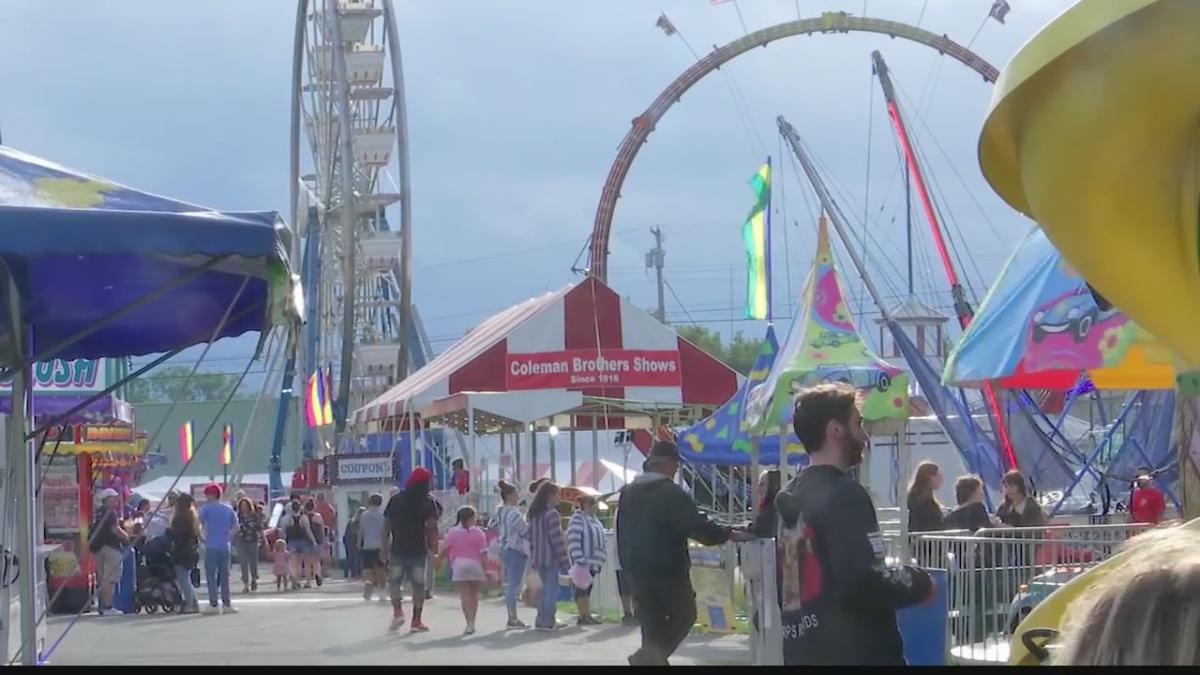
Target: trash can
[923, 627]
[123, 593]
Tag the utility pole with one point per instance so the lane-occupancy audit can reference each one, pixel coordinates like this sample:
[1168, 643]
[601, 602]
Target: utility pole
[655, 258]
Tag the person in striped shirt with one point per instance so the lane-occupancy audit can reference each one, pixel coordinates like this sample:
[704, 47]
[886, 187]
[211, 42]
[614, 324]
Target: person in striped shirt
[586, 547]
[547, 552]
[514, 548]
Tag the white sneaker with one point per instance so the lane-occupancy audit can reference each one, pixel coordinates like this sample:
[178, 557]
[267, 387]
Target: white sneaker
[211, 610]
[229, 610]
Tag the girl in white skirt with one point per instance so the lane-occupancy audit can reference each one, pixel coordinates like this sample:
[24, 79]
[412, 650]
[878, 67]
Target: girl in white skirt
[466, 547]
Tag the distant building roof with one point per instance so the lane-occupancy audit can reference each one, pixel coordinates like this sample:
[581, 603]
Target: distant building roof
[913, 310]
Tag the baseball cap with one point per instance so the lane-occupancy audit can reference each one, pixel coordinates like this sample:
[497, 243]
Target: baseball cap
[106, 493]
[418, 475]
[213, 489]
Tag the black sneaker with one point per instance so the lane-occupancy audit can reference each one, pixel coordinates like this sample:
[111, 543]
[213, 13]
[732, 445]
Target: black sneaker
[629, 620]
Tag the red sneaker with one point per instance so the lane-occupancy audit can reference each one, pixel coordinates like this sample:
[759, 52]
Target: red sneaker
[397, 621]
[418, 627]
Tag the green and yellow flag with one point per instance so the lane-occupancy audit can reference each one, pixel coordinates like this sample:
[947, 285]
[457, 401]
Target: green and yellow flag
[756, 234]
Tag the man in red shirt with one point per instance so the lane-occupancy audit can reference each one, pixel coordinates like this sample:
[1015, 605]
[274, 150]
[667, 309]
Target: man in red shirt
[1146, 505]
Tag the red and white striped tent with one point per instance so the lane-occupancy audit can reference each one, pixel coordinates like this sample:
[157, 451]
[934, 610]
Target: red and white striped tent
[582, 339]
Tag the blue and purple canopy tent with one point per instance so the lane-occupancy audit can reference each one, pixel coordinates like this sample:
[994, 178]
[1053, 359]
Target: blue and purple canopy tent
[93, 269]
[105, 270]
[720, 439]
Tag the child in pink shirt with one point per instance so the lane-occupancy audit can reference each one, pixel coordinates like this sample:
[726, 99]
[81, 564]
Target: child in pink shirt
[279, 565]
[466, 547]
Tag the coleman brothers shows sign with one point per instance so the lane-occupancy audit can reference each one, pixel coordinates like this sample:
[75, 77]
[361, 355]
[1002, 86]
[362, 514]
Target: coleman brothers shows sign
[580, 368]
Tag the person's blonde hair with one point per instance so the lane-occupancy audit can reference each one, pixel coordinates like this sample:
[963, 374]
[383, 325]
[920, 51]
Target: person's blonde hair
[1145, 612]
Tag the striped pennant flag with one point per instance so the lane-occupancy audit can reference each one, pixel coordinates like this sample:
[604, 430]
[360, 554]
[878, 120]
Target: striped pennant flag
[227, 446]
[186, 447]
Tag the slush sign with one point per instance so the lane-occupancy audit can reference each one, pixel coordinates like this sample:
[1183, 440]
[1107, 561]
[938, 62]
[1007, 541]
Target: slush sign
[362, 469]
[58, 375]
[582, 368]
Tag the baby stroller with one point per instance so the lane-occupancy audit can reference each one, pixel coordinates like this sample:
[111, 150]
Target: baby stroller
[156, 587]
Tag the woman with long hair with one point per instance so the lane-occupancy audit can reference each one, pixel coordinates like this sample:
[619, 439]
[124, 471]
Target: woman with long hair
[320, 533]
[297, 532]
[1018, 509]
[183, 534]
[924, 510]
[249, 537]
[547, 552]
[769, 484]
[514, 548]
[466, 547]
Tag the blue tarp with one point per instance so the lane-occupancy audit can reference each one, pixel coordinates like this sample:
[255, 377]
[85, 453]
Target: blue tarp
[719, 438]
[82, 249]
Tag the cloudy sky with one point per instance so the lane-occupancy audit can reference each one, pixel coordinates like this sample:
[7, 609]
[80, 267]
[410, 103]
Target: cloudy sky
[516, 111]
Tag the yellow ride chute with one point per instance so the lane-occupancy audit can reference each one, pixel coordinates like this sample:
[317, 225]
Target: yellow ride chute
[1093, 132]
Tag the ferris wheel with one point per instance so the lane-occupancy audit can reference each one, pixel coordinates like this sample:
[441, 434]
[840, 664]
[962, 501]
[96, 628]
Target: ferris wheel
[348, 103]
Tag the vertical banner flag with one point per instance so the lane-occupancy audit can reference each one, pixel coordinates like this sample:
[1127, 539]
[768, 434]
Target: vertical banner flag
[227, 446]
[327, 396]
[318, 409]
[312, 406]
[185, 442]
[756, 235]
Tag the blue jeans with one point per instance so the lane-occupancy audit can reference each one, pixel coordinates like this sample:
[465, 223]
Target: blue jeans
[548, 600]
[183, 579]
[514, 573]
[216, 571]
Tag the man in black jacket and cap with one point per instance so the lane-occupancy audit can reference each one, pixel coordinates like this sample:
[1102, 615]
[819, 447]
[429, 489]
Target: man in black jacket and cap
[655, 519]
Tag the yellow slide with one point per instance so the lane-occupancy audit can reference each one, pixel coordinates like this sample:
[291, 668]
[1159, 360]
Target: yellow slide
[1046, 618]
[1093, 133]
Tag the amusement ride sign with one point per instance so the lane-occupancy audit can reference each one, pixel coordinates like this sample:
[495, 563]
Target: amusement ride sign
[580, 368]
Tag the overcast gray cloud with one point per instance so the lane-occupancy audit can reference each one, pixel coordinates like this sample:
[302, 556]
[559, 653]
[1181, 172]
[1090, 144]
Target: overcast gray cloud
[516, 111]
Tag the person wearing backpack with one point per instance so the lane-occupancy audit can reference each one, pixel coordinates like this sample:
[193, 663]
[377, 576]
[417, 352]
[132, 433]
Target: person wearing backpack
[106, 545]
[297, 532]
[320, 538]
[838, 593]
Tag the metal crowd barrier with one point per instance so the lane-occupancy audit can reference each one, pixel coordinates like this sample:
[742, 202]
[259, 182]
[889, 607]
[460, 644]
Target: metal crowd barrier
[994, 577]
[997, 576]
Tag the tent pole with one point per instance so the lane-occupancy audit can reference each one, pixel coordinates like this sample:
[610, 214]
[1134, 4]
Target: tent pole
[471, 431]
[20, 462]
[905, 460]
[553, 459]
[753, 506]
[517, 458]
[596, 456]
[574, 476]
[500, 469]
[533, 472]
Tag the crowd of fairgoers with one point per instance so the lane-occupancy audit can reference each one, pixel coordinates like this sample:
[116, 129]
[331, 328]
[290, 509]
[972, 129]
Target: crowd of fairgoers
[392, 545]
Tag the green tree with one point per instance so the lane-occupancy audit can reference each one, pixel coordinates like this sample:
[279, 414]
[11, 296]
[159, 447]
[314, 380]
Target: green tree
[172, 384]
[738, 355]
